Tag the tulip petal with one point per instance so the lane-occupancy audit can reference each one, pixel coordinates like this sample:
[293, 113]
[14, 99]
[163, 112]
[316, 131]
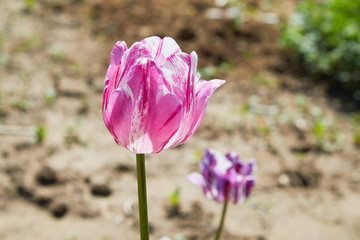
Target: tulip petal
[235, 192]
[132, 57]
[117, 53]
[111, 77]
[232, 157]
[203, 90]
[196, 178]
[176, 75]
[115, 62]
[249, 184]
[165, 110]
[128, 106]
[152, 44]
[180, 72]
[159, 53]
[119, 111]
[164, 121]
[251, 166]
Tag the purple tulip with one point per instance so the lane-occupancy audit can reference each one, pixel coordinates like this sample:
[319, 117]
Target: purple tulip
[224, 178]
[153, 98]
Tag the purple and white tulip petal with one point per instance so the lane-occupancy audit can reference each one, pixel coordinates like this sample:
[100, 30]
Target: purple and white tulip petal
[225, 178]
[153, 98]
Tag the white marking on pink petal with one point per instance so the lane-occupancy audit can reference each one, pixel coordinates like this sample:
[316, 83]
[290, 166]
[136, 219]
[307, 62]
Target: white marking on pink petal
[152, 44]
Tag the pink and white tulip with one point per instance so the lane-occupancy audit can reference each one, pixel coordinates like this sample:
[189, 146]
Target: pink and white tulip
[153, 98]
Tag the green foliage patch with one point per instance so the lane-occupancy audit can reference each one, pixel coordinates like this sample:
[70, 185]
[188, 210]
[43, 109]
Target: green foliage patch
[325, 35]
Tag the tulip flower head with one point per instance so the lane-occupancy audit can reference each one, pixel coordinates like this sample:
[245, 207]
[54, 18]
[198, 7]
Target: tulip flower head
[224, 178]
[153, 96]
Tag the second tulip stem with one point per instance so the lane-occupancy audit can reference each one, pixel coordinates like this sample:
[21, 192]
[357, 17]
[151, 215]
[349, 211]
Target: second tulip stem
[221, 224]
[143, 211]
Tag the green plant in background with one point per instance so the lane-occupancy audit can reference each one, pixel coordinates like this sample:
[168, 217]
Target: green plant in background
[252, 100]
[1, 102]
[327, 134]
[357, 137]
[3, 56]
[174, 197]
[301, 104]
[197, 155]
[325, 36]
[180, 236]
[214, 71]
[40, 133]
[29, 44]
[236, 12]
[266, 79]
[319, 131]
[72, 136]
[356, 128]
[21, 104]
[29, 6]
[71, 66]
[227, 66]
[50, 95]
[207, 72]
[262, 127]
[310, 122]
[174, 209]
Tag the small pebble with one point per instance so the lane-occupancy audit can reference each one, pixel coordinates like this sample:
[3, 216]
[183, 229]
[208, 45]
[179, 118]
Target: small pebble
[46, 176]
[284, 180]
[59, 210]
[101, 190]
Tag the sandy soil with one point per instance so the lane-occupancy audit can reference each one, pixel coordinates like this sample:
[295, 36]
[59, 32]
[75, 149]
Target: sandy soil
[78, 184]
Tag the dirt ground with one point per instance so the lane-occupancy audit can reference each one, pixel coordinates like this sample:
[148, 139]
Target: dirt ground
[77, 184]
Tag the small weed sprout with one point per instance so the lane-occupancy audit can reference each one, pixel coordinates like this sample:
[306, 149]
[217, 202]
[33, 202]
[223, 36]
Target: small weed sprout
[72, 137]
[262, 128]
[21, 104]
[71, 67]
[180, 236]
[328, 137]
[50, 95]
[174, 209]
[84, 104]
[29, 44]
[301, 104]
[266, 79]
[40, 133]
[174, 197]
[74, 68]
[58, 56]
[251, 101]
[319, 130]
[198, 155]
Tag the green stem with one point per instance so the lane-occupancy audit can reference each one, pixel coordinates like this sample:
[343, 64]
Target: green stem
[221, 224]
[141, 180]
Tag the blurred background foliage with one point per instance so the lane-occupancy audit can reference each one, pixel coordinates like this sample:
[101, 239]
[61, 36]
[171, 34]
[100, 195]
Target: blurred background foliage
[325, 35]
